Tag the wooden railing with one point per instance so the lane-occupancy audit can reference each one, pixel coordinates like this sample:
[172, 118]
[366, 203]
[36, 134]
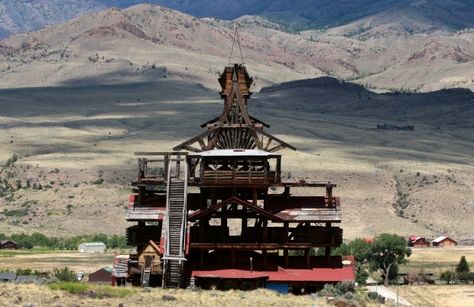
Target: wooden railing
[230, 176]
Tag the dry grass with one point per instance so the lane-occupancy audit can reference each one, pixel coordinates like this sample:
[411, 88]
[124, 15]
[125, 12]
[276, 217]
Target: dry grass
[53, 130]
[47, 261]
[11, 294]
[437, 260]
[440, 296]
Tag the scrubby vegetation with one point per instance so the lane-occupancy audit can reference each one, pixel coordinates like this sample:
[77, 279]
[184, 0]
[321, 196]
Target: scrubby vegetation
[92, 290]
[462, 274]
[383, 255]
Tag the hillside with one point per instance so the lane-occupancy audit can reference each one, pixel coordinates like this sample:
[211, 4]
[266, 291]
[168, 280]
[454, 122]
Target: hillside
[146, 42]
[452, 14]
[27, 15]
[76, 145]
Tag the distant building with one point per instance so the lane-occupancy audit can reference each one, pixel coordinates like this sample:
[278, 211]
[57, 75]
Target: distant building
[444, 241]
[415, 241]
[102, 276]
[8, 244]
[7, 277]
[92, 247]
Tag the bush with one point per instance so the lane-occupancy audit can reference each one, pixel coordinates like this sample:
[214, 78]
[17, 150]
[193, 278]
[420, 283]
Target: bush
[345, 286]
[361, 276]
[339, 289]
[448, 277]
[65, 274]
[98, 181]
[329, 291]
[373, 295]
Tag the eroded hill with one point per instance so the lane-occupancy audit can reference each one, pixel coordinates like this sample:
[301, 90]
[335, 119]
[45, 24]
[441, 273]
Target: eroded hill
[146, 42]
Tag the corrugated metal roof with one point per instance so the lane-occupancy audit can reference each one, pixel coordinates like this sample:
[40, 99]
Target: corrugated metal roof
[231, 274]
[93, 244]
[233, 153]
[439, 239]
[146, 213]
[345, 273]
[311, 214]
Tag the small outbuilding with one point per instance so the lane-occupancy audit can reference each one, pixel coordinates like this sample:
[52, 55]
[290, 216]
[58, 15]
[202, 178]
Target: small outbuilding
[102, 276]
[444, 241]
[92, 247]
[8, 244]
[7, 277]
[415, 241]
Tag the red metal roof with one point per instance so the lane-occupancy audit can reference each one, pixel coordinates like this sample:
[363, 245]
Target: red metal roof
[231, 274]
[314, 275]
[285, 275]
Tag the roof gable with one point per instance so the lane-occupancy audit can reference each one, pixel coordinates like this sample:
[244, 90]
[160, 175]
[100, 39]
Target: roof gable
[233, 200]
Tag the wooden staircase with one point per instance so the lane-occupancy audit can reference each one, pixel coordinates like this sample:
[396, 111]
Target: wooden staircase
[175, 225]
[145, 282]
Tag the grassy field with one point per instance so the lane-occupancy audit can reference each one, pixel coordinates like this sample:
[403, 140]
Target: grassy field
[437, 260]
[442, 296]
[44, 260]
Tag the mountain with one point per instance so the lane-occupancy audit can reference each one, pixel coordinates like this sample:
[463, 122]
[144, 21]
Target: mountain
[301, 14]
[146, 42]
[26, 15]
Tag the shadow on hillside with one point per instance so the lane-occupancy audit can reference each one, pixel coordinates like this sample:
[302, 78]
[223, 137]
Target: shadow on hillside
[323, 109]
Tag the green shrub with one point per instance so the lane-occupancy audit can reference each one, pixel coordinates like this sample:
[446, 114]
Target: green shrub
[448, 277]
[65, 274]
[329, 291]
[98, 181]
[373, 295]
[345, 286]
[16, 212]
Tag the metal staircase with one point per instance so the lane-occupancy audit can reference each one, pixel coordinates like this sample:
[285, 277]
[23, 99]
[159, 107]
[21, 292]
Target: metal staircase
[175, 226]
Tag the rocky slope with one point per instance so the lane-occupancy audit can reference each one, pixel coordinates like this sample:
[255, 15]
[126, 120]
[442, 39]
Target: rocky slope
[26, 15]
[146, 42]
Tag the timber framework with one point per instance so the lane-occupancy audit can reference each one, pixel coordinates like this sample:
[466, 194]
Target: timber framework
[217, 212]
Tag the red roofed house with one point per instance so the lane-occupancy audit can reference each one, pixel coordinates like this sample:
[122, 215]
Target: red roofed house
[415, 241]
[444, 241]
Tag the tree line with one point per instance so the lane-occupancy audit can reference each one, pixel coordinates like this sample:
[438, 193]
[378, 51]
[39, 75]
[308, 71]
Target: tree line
[28, 241]
[462, 274]
[384, 255]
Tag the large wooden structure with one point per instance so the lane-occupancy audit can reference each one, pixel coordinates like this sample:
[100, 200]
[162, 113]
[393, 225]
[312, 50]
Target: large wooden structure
[221, 214]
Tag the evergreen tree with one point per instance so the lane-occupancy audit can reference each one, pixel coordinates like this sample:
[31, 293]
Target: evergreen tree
[463, 266]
